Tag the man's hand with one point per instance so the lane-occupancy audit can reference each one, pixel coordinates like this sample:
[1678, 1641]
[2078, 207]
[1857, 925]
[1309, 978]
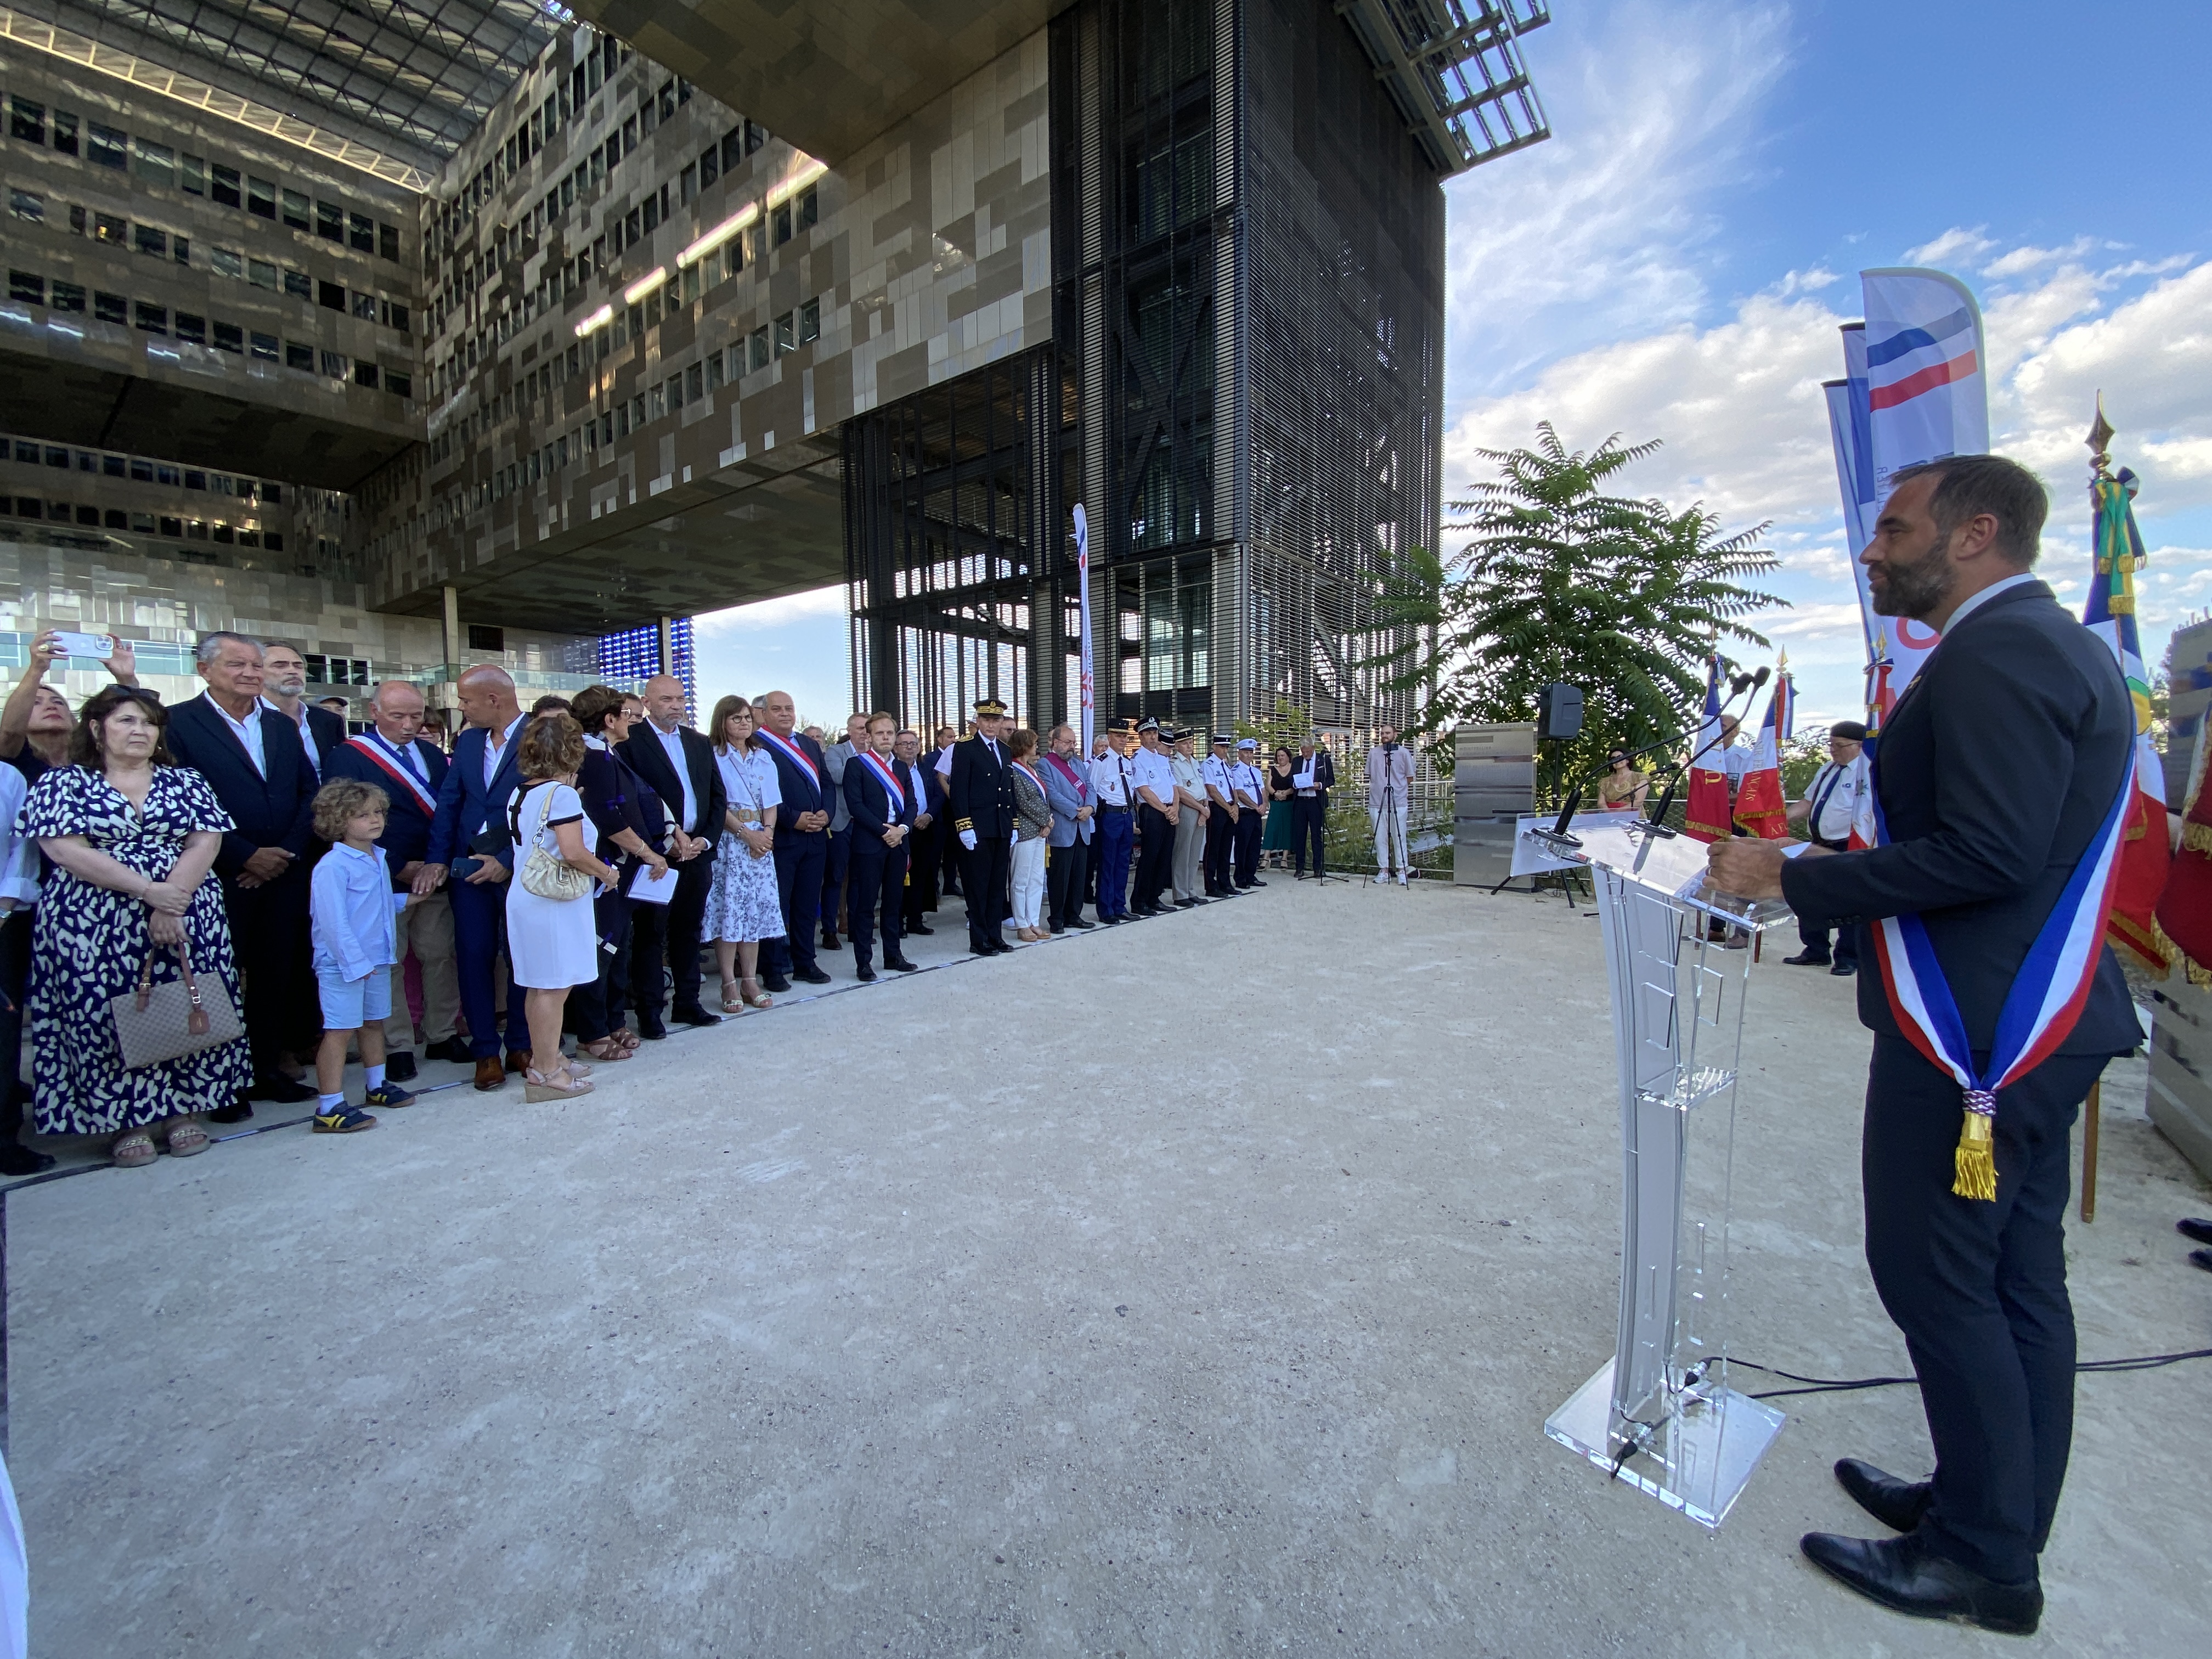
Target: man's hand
[809, 821]
[487, 871]
[686, 848]
[266, 866]
[1083, 814]
[893, 834]
[1797, 810]
[1747, 867]
[921, 820]
[426, 879]
[405, 874]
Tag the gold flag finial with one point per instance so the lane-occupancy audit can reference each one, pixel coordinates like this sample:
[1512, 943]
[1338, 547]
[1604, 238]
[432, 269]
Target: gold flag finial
[2099, 440]
[1781, 662]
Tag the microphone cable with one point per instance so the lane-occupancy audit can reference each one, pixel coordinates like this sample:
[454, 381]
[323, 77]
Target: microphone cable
[2150, 1362]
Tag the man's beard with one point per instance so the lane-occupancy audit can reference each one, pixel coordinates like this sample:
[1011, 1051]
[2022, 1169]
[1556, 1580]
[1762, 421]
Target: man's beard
[1915, 589]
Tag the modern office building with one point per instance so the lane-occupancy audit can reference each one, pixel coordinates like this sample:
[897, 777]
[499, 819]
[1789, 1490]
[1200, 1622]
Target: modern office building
[476, 332]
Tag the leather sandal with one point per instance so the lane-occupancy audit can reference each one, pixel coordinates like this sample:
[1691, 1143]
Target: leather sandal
[561, 1084]
[731, 1003]
[608, 1048]
[132, 1150]
[186, 1139]
[754, 997]
[630, 1041]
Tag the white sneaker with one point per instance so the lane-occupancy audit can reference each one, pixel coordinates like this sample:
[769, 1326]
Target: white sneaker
[1380, 878]
[1401, 879]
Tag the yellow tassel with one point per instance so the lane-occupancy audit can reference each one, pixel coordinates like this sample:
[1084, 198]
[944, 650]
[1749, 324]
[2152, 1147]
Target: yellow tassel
[1977, 1160]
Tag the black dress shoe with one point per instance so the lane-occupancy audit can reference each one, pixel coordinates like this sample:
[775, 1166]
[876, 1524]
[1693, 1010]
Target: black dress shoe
[698, 1017]
[774, 983]
[275, 1085]
[453, 1048]
[1078, 921]
[828, 940]
[865, 974]
[900, 965]
[2202, 1259]
[811, 976]
[2192, 1227]
[1897, 1505]
[1187, 903]
[653, 1031]
[1808, 959]
[1906, 1576]
[22, 1161]
[1056, 927]
[917, 927]
[399, 1067]
[1844, 970]
[237, 1112]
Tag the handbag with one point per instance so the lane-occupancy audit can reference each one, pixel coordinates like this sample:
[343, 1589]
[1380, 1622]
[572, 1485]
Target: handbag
[546, 876]
[158, 1022]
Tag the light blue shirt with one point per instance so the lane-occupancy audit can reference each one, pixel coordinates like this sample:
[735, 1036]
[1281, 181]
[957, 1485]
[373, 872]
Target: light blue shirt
[352, 905]
[1983, 598]
[247, 731]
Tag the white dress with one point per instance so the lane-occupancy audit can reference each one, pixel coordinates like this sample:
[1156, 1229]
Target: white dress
[553, 943]
[743, 904]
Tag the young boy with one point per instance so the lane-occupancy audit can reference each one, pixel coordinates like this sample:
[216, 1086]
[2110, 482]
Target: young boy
[356, 946]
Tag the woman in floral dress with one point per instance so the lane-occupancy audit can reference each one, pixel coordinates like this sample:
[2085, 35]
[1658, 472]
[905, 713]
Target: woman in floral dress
[130, 836]
[743, 905]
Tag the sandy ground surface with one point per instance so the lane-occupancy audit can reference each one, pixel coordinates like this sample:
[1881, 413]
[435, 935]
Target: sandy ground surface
[1196, 1287]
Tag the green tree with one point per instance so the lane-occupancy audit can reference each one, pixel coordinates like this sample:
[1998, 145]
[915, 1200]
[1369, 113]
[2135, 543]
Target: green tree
[1563, 581]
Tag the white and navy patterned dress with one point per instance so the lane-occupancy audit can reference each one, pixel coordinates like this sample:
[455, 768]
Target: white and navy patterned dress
[87, 944]
[743, 904]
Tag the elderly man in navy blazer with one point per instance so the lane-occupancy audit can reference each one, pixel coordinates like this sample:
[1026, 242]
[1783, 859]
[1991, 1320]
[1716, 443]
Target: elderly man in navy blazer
[802, 842]
[471, 843]
[679, 765]
[410, 772]
[1067, 791]
[1998, 776]
[883, 796]
[253, 760]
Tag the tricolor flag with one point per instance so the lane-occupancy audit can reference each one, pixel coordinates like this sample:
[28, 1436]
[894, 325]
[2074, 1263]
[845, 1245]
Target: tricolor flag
[1760, 807]
[1705, 813]
[1881, 697]
[1927, 393]
[2110, 615]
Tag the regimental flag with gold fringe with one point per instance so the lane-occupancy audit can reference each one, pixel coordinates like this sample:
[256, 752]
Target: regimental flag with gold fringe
[2185, 908]
[1760, 807]
[2110, 615]
[1705, 810]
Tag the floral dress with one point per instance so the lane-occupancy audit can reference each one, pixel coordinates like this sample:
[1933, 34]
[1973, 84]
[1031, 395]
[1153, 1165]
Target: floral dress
[89, 942]
[743, 904]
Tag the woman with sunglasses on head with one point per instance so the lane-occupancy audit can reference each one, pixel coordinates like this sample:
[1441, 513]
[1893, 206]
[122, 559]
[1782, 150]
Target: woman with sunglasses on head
[1623, 788]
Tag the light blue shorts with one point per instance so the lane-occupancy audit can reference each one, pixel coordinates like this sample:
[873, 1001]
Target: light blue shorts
[350, 1003]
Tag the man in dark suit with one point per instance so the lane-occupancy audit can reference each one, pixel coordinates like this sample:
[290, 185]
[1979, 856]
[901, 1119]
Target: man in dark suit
[929, 833]
[284, 687]
[253, 760]
[883, 794]
[1996, 774]
[802, 842]
[938, 763]
[410, 772]
[679, 765]
[471, 841]
[982, 798]
[1315, 773]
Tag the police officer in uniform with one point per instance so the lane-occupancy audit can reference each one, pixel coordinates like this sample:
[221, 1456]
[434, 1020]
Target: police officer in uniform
[1156, 821]
[1825, 814]
[1251, 812]
[982, 791]
[1113, 786]
[1221, 817]
[1191, 816]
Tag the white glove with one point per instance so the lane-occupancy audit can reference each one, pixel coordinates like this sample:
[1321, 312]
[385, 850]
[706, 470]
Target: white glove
[1013, 836]
[968, 839]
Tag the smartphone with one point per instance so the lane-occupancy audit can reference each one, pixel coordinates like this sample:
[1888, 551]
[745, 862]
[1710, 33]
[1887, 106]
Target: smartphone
[99, 647]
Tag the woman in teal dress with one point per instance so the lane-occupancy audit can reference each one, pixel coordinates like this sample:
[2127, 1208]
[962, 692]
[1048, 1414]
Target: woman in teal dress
[1275, 836]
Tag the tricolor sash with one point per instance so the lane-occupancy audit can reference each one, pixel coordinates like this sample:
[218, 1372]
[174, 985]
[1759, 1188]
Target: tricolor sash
[794, 753]
[395, 770]
[897, 791]
[2039, 1011]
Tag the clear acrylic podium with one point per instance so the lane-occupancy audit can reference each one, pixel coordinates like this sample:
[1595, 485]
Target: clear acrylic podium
[1660, 1415]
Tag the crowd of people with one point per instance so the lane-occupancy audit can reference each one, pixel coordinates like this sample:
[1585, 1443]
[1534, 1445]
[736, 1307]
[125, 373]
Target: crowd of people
[240, 888]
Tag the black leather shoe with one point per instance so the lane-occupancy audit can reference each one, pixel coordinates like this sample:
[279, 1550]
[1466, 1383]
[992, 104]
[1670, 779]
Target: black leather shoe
[653, 1031]
[1897, 1505]
[811, 976]
[22, 1161]
[275, 1085]
[865, 974]
[1188, 904]
[2202, 1259]
[399, 1067]
[1843, 970]
[900, 965]
[774, 983]
[698, 1017]
[1056, 927]
[829, 941]
[237, 1112]
[1808, 959]
[2192, 1228]
[454, 1049]
[917, 927]
[1906, 1576]
[1078, 921]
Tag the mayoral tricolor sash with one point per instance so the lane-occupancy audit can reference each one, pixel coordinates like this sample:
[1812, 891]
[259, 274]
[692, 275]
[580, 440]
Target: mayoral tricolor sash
[797, 756]
[387, 760]
[2039, 1011]
[895, 791]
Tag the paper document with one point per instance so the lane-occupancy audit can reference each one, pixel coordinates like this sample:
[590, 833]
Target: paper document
[654, 887]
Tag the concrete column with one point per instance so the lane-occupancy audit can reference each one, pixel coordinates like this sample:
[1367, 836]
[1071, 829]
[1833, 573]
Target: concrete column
[449, 694]
[667, 647]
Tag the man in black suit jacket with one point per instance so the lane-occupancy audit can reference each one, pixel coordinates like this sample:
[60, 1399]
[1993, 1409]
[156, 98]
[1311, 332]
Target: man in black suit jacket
[1995, 771]
[802, 842]
[410, 771]
[981, 796]
[1309, 803]
[253, 760]
[679, 766]
[930, 833]
[284, 686]
[878, 829]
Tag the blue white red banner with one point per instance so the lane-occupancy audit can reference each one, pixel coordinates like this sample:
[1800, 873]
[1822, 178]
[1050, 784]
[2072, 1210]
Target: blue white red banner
[1083, 620]
[1927, 385]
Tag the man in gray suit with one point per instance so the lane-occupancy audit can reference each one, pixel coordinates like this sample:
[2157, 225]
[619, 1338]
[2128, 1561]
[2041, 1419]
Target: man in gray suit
[1067, 791]
[835, 867]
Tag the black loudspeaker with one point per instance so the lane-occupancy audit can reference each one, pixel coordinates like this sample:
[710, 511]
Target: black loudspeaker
[1559, 711]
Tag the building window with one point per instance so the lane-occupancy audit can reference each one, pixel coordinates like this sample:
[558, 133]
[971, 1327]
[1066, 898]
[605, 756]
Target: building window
[274, 541]
[191, 176]
[295, 209]
[400, 385]
[364, 306]
[228, 337]
[27, 204]
[733, 148]
[782, 224]
[364, 374]
[105, 227]
[809, 321]
[225, 534]
[65, 133]
[387, 242]
[154, 242]
[77, 222]
[330, 296]
[808, 209]
[110, 307]
[261, 274]
[714, 372]
[301, 357]
[108, 148]
[226, 262]
[173, 527]
[330, 222]
[334, 365]
[709, 165]
[299, 285]
[196, 481]
[191, 328]
[363, 239]
[222, 186]
[395, 316]
[143, 523]
[783, 334]
[157, 164]
[264, 347]
[141, 469]
[695, 383]
[116, 519]
[182, 248]
[27, 286]
[26, 121]
[260, 197]
[68, 296]
[153, 319]
[657, 402]
[483, 636]
[756, 350]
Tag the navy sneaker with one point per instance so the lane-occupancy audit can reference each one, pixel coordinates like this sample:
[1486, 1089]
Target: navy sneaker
[345, 1120]
[389, 1095]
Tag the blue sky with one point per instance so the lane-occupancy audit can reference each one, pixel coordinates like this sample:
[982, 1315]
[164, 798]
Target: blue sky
[1673, 263]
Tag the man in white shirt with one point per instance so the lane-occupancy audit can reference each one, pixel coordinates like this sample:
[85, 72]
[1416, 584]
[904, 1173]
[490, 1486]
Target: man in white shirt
[1191, 820]
[1825, 813]
[1389, 781]
[284, 691]
[1214, 775]
[837, 868]
[1156, 820]
[1114, 787]
[678, 764]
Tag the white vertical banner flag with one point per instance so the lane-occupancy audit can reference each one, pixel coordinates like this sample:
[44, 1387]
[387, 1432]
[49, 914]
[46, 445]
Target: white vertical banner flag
[1083, 620]
[1925, 370]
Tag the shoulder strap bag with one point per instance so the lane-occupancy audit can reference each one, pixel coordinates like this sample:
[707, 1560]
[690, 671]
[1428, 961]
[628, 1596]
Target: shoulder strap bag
[155, 1023]
[544, 874]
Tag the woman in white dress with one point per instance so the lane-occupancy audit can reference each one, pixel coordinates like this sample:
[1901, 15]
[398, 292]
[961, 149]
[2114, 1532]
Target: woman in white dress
[553, 943]
[743, 906]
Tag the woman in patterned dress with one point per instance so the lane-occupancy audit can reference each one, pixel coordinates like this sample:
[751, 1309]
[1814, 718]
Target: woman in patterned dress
[743, 905]
[131, 835]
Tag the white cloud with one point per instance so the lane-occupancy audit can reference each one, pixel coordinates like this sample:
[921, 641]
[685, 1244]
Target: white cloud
[765, 614]
[2023, 260]
[1956, 246]
[1816, 622]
